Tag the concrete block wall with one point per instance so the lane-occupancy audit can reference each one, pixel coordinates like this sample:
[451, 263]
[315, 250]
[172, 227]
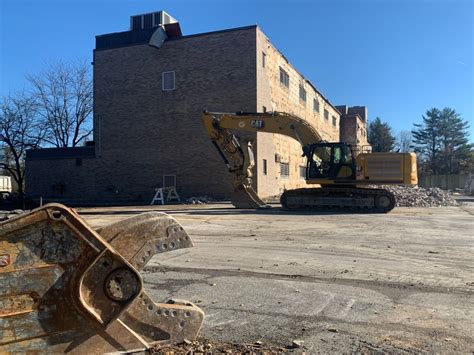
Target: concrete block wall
[274, 96]
[353, 127]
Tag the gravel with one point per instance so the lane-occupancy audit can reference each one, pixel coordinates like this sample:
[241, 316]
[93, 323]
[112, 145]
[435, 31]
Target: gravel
[205, 346]
[414, 196]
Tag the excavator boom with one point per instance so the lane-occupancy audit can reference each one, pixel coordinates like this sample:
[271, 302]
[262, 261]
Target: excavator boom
[239, 158]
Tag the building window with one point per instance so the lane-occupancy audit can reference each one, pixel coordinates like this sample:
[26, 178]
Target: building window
[168, 81]
[326, 115]
[315, 105]
[284, 78]
[284, 170]
[302, 93]
[303, 172]
[264, 109]
[334, 121]
[264, 166]
[264, 58]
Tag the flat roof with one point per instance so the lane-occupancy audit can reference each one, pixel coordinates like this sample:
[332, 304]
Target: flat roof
[142, 36]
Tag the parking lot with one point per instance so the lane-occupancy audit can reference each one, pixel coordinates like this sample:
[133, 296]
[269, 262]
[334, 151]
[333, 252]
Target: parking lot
[401, 281]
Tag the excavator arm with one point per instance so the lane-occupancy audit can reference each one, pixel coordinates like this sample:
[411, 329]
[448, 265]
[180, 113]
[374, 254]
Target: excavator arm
[239, 158]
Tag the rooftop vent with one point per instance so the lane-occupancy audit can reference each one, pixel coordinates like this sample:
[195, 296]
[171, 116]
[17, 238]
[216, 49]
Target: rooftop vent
[150, 20]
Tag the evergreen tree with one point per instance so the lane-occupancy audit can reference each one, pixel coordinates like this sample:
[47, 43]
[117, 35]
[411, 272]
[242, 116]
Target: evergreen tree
[442, 141]
[380, 136]
[426, 141]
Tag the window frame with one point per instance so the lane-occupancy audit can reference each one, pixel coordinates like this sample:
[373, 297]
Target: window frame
[284, 75]
[316, 105]
[285, 170]
[163, 80]
[302, 93]
[303, 170]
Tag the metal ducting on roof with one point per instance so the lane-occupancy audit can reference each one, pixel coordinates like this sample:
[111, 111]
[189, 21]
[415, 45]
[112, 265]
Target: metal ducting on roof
[150, 20]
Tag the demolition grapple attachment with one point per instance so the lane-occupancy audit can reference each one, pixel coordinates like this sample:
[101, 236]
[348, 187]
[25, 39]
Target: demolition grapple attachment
[67, 288]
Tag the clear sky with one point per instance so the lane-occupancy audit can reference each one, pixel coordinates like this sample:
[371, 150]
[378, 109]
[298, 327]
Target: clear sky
[399, 58]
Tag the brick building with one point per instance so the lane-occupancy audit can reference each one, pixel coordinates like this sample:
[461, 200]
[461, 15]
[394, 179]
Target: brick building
[150, 86]
[353, 126]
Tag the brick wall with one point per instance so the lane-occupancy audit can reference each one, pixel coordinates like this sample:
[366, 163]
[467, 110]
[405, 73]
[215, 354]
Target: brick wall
[142, 132]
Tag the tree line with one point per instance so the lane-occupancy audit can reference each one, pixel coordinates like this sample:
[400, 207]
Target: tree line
[56, 111]
[441, 141]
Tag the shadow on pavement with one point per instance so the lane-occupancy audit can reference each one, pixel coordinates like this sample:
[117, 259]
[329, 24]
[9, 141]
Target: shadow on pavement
[223, 211]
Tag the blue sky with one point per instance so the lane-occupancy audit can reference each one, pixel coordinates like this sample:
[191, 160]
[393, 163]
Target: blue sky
[399, 58]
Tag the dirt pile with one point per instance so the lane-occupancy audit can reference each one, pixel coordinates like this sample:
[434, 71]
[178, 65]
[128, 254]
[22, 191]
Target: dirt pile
[414, 196]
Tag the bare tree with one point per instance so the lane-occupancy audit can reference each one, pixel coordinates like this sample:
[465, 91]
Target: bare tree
[404, 141]
[63, 94]
[19, 131]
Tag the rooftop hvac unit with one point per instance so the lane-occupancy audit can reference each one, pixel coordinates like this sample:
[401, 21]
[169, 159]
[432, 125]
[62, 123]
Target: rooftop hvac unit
[150, 20]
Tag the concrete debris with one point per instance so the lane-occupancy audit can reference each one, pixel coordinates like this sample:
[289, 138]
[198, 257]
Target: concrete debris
[199, 200]
[4, 215]
[297, 344]
[414, 196]
[205, 346]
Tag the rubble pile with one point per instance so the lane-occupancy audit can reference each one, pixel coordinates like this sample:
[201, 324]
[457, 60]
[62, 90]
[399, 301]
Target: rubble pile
[199, 200]
[414, 196]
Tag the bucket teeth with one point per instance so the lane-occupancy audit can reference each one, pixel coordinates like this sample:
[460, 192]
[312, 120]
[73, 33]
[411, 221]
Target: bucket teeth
[68, 288]
[140, 237]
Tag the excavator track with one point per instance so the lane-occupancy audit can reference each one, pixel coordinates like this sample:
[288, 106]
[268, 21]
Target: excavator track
[339, 199]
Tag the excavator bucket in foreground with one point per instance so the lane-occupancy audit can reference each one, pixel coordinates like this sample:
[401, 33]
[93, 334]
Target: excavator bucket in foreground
[67, 288]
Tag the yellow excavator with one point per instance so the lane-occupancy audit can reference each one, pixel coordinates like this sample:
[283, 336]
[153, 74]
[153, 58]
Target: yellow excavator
[344, 174]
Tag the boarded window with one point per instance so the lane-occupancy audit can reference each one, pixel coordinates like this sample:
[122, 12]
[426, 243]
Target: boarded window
[264, 166]
[302, 93]
[284, 78]
[284, 170]
[168, 79]
[326, 115]
[315, 105]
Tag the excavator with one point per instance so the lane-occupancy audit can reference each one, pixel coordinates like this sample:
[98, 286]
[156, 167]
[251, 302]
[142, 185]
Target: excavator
[344, 176]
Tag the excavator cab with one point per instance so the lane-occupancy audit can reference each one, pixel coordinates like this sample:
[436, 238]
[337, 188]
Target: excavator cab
[330, 161]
